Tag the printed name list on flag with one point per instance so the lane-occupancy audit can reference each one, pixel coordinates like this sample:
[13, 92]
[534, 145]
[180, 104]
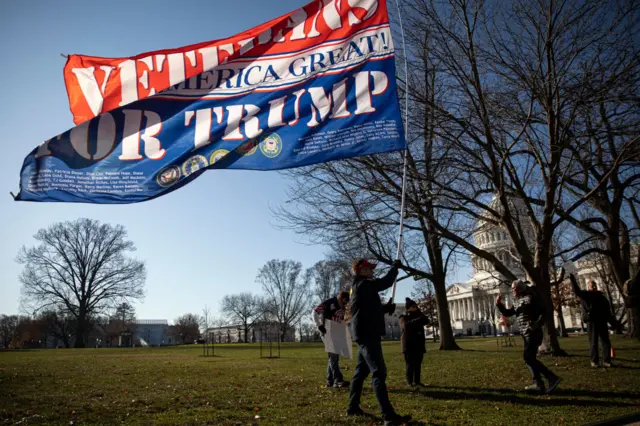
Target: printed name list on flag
[312, 86]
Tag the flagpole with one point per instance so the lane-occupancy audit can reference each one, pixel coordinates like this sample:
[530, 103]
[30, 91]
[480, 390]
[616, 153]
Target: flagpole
[404, 166]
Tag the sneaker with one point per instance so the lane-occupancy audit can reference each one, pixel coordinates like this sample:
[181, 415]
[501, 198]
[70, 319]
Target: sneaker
[341, 384]
[357, 411]
[594, 365]
[553, 383]
[535, 387]
[396, 420]
[329, 384]
[606, 364]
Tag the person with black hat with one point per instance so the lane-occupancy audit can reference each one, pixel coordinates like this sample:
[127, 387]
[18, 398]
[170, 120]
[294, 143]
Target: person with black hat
[412, 325]
[367, 328]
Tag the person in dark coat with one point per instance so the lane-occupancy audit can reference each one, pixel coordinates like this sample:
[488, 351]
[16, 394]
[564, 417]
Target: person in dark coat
[332, 309]
[530, 310]
[367, 328]
[412, 325]
[596, 313]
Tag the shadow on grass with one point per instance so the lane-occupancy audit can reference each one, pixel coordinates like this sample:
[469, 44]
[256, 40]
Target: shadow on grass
[508, 395]
[624, 367]
[616, 359]
[558, 391]
[373, 419]
[637, 361]
[495, 351]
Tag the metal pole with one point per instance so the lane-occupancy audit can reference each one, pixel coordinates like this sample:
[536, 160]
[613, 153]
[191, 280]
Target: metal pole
[406, 127]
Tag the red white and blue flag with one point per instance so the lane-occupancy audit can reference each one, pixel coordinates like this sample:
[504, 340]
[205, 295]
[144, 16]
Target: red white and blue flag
[312, 86]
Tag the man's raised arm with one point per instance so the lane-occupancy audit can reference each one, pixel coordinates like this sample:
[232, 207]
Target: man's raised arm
[381, 284]
[507, 312]
[576, 288]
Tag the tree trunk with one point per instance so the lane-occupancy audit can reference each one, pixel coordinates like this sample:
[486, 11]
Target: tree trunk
[246, 333]
[633, 318]
[434, 251]
[447, 341]
[632, 303]
[554, 343]
[542, 281]
[80, 329]
[561, 324]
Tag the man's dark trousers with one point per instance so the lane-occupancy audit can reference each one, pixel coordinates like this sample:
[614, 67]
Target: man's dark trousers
[413, 361]
[334, 375]
[531, 344]
[370, 359]
[598, 330]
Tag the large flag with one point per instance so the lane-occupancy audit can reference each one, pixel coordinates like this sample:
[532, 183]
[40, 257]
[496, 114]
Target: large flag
[312, 86]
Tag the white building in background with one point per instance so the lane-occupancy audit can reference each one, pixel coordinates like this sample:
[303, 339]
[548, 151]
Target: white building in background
[392, 322]
[153, 333]
[472, 304]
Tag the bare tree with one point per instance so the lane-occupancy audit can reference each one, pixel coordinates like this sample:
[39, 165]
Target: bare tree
[125, 313]
[329, 277]
[8, 329]
[286, 293]
[206, 319]
[81, 266]
[187, 328]
[353, 206]
[60, 324]
[563, 297]
[243, 308]
[308, 331]
[604, 166]
[517, 77]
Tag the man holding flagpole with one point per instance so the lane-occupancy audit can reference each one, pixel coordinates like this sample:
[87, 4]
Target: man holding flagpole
[367, 328]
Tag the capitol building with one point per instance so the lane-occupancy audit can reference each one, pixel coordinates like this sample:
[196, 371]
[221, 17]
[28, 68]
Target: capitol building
[472, 303]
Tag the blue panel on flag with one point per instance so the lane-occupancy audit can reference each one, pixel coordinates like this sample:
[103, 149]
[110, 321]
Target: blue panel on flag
[312, 86]
[156, 145]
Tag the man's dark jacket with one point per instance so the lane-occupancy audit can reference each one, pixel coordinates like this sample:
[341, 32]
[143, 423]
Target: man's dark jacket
[412, 325]
[367, 312]
[595, 306]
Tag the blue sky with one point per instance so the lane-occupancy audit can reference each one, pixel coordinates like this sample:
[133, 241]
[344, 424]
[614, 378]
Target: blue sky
[204, 241]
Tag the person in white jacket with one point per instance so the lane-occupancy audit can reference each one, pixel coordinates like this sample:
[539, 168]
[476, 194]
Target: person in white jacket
[332, 309]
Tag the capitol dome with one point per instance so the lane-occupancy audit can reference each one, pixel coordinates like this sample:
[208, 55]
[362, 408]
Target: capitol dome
[517, 207]
[494, 238]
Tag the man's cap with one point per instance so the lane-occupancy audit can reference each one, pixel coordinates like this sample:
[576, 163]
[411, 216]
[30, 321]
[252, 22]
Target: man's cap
[409, 303]
[362, 263]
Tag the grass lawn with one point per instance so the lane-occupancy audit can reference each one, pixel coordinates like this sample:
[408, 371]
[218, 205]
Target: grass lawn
[480, 385]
